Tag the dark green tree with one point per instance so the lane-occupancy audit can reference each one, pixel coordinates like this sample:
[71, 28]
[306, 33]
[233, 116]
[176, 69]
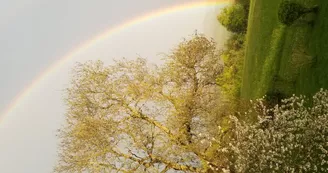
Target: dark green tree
[289, 12]
[234, 18]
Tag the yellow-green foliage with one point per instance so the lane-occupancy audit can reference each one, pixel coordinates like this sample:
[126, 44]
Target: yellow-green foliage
[233, 57]
[135, 117]
[234, 18]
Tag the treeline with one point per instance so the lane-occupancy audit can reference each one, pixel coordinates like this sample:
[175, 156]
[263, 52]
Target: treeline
[234, 18]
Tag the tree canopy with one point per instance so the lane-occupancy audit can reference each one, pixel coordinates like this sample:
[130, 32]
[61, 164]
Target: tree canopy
[289, 12]
[137, 117]
[234, 18]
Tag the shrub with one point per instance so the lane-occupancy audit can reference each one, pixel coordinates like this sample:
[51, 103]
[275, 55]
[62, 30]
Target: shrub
[273, 97]
[296, 140]
[233, 57]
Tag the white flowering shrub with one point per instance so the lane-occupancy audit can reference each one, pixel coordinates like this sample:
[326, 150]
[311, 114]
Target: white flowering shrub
[294, 138]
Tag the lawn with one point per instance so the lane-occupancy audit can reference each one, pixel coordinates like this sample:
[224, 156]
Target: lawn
[284, 59]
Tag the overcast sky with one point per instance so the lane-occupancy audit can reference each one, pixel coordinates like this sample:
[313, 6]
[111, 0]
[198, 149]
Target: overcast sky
[36, 33]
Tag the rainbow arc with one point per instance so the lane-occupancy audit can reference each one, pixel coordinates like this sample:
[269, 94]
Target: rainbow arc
[116, 29]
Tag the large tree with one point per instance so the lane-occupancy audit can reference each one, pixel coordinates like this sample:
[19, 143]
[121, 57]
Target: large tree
[136, 117]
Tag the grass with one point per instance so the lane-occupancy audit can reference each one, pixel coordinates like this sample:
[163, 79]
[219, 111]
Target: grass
[286, 59]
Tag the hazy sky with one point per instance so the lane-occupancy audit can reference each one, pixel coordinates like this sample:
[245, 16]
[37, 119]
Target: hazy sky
[36, 33]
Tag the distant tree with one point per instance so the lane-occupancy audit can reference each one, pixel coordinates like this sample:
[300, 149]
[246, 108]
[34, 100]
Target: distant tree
[289, 12]
[234, 18]
[245, 3]
[134, 117]
[295, 139]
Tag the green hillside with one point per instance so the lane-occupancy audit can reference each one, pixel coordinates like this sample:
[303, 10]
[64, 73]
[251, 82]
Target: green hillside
[283, 59]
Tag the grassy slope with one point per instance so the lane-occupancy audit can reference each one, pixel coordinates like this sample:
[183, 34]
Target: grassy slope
[315, 77]
[288, 59]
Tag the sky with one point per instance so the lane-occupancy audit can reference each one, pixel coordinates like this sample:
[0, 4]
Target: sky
[34, 34]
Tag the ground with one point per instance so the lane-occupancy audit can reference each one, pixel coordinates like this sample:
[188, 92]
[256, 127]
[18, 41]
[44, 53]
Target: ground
[285, 59]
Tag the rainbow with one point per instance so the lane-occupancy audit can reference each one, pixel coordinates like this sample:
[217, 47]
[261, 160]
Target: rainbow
[102, 36]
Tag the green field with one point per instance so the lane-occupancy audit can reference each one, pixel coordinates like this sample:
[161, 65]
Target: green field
[285, 59]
